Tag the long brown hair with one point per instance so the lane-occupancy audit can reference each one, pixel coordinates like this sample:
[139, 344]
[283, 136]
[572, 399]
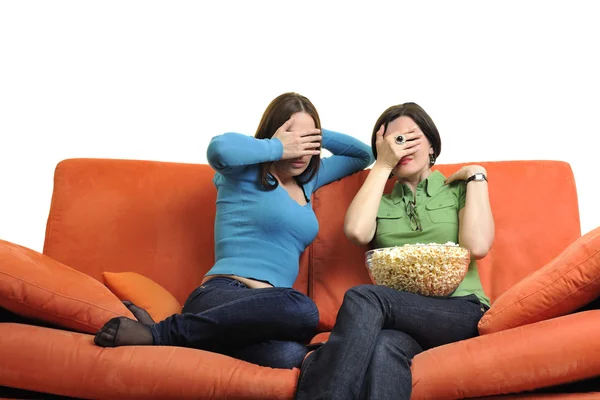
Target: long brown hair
[278, 112]
[417, 114]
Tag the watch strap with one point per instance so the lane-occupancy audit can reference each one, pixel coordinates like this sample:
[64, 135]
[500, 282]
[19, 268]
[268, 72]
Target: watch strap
[477, 177]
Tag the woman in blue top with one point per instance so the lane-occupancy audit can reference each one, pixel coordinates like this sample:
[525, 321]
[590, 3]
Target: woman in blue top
[246, 307]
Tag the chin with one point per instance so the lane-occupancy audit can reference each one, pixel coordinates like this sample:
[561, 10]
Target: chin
[296, 172]
[406, 171]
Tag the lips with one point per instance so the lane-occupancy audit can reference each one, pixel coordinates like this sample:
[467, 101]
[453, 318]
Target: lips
[298, 164]
[405, 160]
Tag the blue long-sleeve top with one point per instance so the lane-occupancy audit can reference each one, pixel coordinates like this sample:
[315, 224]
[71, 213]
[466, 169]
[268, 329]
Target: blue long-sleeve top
[260, 234]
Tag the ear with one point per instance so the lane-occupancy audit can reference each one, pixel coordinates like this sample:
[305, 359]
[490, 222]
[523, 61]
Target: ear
[431, 150]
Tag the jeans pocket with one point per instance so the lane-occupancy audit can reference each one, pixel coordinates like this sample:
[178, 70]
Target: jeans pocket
[194, 296]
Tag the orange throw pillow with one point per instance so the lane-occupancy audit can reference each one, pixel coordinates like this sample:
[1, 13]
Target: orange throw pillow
[143, 292]
[567, 283]
[35, 286]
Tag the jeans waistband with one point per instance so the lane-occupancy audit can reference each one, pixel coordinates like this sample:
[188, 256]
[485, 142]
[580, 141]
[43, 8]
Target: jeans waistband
[223, 280]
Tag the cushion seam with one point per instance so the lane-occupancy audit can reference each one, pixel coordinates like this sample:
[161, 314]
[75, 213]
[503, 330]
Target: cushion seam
[57, 294]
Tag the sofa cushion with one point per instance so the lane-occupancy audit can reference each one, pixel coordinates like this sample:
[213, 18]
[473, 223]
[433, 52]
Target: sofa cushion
[565, 284]
[69, 364]
[143, 292]
[36, 286]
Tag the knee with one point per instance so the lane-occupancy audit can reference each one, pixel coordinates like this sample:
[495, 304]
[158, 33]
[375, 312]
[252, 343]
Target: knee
[395, 346]
[305, 310]
[361, 291]
[366, 295]
[287, 355]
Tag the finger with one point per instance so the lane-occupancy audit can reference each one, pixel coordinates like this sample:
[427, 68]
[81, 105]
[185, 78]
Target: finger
[286, 125]
[450, 179]
[309, 132]
[312, 138]
[411, 151]
[413, 135]
[412, 143]
[379, 134]
[311, 152]
[312, 145]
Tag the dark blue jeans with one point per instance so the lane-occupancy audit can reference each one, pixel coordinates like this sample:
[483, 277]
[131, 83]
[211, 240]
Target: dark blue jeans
[268, 327]
[377, 333]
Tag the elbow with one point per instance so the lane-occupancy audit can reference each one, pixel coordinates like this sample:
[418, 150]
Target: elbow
[479, 250]
[356, 236]
[216, 153]
[478, 253]
[368, 159]
[478, 243]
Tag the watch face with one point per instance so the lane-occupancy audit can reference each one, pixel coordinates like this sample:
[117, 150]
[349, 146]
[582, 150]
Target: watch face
[477, 177]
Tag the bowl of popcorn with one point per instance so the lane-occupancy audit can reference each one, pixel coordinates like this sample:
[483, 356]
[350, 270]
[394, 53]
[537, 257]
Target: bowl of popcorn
[426, 269]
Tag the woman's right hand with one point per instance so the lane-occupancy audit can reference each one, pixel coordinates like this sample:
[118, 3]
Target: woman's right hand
[298, 143]
[389, 152]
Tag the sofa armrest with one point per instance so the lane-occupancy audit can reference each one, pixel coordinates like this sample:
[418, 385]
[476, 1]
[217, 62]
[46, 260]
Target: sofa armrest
[547, 353]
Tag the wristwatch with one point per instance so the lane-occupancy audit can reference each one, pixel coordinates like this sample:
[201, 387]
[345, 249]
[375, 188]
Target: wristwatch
[477, 177]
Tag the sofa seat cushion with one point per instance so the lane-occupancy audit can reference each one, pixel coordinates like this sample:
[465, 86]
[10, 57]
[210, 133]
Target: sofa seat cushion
[568, 282]
[68, 363]
[143, 292]
[35, 286]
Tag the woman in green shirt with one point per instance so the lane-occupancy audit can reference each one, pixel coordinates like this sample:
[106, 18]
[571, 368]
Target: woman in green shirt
[379, 330]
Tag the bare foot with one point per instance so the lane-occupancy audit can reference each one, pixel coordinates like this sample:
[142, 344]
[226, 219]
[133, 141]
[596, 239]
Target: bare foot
[122, 331]
[139, 313]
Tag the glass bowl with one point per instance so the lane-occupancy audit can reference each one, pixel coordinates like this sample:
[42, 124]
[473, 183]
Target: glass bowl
[425, 269]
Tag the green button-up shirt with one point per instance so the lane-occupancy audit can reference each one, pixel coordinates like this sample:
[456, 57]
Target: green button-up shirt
[432, 219]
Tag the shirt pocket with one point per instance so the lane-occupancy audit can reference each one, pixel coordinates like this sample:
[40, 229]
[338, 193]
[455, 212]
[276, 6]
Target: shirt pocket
[389, 221]
[442, 210]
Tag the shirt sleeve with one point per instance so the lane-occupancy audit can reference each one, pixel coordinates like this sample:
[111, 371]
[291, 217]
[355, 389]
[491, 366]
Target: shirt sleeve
[350, 155]
[231, 153]
[462, 195]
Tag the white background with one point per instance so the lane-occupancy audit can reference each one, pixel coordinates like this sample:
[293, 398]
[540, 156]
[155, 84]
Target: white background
[155, 80]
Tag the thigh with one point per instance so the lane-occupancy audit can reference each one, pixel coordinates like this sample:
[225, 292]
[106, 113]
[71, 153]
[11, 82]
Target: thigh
[272, 353]
[430, 321]
[434, 322]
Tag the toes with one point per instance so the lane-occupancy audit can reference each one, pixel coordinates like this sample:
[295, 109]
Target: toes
[105, 337]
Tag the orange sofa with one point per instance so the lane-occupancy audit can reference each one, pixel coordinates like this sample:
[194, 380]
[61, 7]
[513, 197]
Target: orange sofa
[157, 219]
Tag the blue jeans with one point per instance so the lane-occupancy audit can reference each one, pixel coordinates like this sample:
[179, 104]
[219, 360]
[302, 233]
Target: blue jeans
[268, 327]
[377, 333]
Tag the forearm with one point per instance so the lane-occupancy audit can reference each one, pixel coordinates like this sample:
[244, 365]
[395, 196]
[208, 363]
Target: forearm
[231, 152]
[340, 144]
[361, 217]
[477, 222]
[350, 155]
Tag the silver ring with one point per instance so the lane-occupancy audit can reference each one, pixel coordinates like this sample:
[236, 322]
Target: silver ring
[400, 139]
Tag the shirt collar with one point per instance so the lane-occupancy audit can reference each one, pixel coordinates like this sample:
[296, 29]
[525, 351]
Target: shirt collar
[431, 184]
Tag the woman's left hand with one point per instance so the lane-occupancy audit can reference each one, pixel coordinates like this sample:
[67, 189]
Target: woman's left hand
[464, 173]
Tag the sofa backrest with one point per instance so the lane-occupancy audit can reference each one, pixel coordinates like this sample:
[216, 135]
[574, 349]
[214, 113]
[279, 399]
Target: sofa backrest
[154, 218]
[535, 211]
